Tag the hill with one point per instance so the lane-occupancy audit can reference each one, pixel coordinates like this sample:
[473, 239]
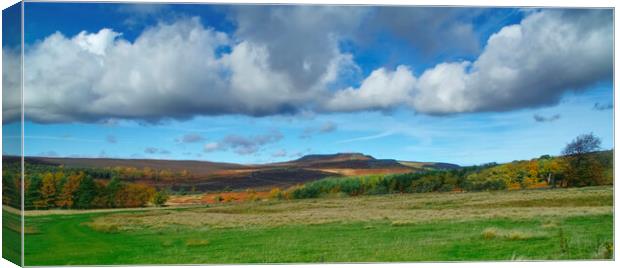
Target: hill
[206, 176]
[333, 157]
[429, 165]
[344, 160]
[194, 167]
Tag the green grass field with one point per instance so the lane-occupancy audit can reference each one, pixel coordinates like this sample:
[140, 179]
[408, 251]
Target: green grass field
[506, 225]
[11, 238]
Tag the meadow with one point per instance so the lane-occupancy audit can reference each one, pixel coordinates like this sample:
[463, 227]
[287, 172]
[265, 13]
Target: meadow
[535, 224]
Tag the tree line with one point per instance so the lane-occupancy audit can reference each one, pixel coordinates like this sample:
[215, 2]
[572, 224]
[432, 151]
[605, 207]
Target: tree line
[579, 165]
[48, 187]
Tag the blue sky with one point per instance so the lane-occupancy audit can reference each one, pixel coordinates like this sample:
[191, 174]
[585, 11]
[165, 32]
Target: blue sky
[272, 83]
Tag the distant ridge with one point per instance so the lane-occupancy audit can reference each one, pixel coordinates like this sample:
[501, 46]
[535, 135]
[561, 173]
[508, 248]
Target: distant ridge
[334, 157]
[193, 166]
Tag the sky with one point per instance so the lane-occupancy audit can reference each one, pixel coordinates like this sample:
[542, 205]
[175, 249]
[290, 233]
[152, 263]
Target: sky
[258, 84]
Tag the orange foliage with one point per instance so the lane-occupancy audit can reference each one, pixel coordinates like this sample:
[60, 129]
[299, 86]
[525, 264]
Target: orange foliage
[134, 195]
[65, 199]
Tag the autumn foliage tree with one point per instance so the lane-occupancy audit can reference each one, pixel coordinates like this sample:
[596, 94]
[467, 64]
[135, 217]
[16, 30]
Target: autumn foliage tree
[32, 195]
[582, 168]
[47, 192]
[134, 195]
[551, 169]
[69, 193]
[160, 198]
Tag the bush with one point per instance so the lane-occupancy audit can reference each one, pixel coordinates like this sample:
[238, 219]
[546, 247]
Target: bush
[275, 193]
[160, 198]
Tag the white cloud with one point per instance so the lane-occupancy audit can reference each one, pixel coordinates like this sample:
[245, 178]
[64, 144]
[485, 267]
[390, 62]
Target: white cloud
[526, 65]
[382, 89]
[11, 83]
[530, 64]
[171, 70]
[292, 62]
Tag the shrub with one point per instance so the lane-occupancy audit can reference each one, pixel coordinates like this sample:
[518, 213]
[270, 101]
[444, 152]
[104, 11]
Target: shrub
[310, 191]
[275, 193]
[160, 198]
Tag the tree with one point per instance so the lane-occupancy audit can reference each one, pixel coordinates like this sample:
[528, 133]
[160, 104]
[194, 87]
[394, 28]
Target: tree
[110, 192]
[549, 168]
[47, 191]
[160, 197]
[68, 195]
[101, 199]
[60, 179]
[134, 195]
[32, 194]
[10, 189]
[582, 145]
[582, 168]
[86, 193]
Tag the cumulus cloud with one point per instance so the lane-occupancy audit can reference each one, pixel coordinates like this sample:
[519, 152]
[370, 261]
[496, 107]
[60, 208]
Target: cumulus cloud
[531, 64]
[243, 145]
[429, 29]
[11, 85]
[138, 14]
[542, 119]
[301, 41]
[109, 77]
[382, 89]
[285, 59]
[171, 70]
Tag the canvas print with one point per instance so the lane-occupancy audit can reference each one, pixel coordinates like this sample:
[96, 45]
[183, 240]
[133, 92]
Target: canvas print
[200, 133]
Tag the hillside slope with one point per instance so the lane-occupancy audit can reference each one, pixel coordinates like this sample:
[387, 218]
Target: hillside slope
[205, 176]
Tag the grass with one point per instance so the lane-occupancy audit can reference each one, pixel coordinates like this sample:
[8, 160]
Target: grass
[11, 239]
[410, 227]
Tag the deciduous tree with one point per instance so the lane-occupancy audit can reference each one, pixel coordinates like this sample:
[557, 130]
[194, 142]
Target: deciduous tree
[582, 168]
